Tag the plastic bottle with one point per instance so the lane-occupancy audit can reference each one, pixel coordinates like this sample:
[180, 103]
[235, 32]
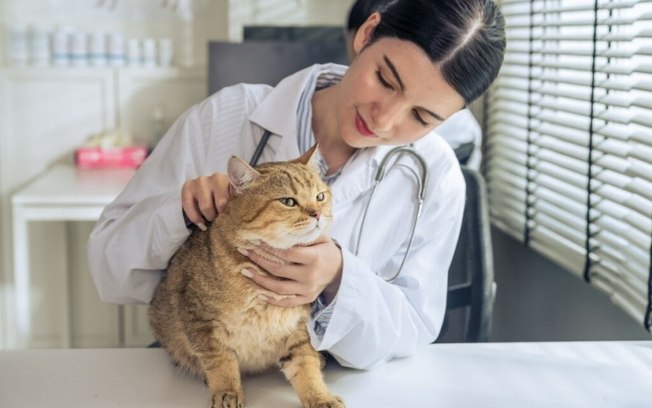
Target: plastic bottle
[134, 52]
[158, 124]
[61, 47]
[39, 46]
[17, 46]
[98, 54]
[149, 52]
[79, 48]
[165, 52]
[115, 49]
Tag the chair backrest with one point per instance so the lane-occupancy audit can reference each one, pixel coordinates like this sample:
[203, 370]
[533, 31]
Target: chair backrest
[471, 274]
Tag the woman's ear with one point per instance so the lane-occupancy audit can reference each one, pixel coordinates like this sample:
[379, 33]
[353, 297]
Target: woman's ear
[240, 173]
[365, 32]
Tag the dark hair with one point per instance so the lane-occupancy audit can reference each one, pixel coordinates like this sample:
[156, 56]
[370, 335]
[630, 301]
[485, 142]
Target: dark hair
[465, 37]
[362, 9]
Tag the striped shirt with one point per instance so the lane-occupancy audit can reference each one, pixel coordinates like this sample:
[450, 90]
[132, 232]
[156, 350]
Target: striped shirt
[327, 76]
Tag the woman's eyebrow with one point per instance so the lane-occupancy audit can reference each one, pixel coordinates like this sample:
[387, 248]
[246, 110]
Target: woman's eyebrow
[392, 68]
[401, 85]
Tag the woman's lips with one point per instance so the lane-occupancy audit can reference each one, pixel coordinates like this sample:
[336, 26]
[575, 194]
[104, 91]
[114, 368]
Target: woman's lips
[362, 126]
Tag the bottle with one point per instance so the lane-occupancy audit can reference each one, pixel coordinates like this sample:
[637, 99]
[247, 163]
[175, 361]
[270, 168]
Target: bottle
[60, 47]
[98, 49]
[39, 47]
[17, 46]
[115, 50]
[158, 123]
[149, 52]
[79, 48]
[134, 52]
[165, 52]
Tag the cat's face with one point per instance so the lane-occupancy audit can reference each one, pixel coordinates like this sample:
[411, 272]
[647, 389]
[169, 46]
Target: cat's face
[283, 204]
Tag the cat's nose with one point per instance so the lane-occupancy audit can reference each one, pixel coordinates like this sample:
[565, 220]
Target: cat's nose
[315, 214]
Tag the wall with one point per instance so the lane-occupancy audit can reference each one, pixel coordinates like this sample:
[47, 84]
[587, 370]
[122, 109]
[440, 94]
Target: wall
[285, 12]
[538, 301]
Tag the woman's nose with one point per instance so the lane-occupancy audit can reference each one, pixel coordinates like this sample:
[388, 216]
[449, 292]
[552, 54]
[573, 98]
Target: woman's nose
[386, 114]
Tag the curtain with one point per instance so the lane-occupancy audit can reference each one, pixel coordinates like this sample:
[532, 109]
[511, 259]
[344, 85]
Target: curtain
[568, 149]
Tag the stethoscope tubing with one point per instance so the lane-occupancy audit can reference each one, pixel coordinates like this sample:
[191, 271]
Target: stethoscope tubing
[259, 149]
[422, 182]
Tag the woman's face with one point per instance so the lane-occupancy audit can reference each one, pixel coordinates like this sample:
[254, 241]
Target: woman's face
[392, 93]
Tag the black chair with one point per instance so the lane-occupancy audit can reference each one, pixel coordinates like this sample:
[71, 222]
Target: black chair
[471, 275]
[464, 151]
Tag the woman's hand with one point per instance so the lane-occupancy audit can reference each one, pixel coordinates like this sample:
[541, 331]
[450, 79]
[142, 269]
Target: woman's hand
[205, 197]
[298, 274]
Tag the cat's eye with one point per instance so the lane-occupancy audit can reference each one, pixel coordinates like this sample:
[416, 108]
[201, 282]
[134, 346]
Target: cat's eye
[290, 202]
[320, 197]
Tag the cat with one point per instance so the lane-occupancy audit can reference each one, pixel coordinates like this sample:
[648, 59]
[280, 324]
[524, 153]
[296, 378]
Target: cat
[209, 317]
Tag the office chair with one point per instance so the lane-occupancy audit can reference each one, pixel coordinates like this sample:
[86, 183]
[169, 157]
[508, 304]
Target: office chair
[464, 151]
[470, 299]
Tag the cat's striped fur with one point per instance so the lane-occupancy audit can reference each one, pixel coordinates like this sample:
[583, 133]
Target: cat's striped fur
[209, 317]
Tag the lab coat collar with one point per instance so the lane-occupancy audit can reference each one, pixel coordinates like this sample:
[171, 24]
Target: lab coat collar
[278, 112]
[358, 175]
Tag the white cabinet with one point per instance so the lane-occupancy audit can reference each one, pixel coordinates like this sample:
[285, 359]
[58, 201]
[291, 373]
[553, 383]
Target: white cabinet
[44, 114]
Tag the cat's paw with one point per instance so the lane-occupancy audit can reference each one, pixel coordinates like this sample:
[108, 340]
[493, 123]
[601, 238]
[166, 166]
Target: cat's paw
[332, 401]
[227, 399]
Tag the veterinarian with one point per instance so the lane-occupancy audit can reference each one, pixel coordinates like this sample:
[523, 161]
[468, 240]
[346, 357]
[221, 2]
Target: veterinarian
[417, 63]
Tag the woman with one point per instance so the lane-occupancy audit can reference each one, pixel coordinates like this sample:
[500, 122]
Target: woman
[417, 63]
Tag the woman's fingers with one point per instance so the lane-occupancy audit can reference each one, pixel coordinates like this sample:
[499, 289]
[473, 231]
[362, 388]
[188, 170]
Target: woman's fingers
[203, 198]
[191, 207]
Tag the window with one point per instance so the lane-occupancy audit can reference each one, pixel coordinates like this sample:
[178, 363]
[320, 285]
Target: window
[568, 155]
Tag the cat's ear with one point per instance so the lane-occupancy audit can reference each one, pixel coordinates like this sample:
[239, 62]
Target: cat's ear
[311, 158]
[240, 173]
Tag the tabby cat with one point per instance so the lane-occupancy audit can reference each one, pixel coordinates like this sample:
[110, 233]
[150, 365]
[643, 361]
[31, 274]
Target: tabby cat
[210, 318]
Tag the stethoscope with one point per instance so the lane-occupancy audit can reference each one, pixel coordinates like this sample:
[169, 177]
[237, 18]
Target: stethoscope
[420, 176]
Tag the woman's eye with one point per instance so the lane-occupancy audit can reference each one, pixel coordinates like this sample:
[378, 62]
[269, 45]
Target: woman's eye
[290, 202]
[383, 81]
[320, 197]
[419, 119]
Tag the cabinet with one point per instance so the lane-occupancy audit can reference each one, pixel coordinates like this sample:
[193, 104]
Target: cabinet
[44, 114]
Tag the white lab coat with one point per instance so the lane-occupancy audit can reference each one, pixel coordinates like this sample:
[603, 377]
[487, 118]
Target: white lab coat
[372, 320]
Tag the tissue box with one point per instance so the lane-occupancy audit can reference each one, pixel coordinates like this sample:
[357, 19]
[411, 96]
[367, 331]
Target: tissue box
[120, 157]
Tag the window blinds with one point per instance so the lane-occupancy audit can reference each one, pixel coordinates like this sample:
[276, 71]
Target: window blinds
[568, 156]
